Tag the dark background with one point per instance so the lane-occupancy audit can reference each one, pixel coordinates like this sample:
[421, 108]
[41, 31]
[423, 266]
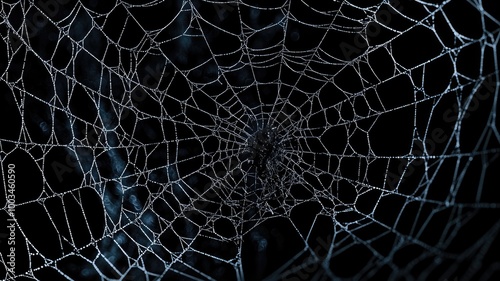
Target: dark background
[128, 125]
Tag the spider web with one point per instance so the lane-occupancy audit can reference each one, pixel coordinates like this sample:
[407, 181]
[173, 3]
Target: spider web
[292, 140]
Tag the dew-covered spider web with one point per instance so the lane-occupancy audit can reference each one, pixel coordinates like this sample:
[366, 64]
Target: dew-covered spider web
[243, 140]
